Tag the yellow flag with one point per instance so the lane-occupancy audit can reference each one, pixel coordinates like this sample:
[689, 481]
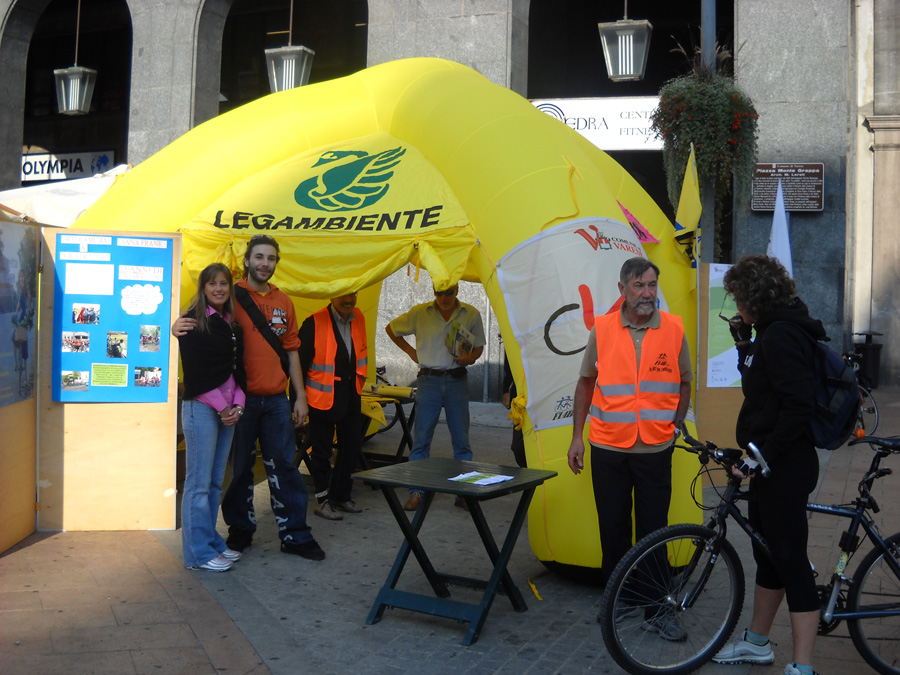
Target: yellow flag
[687, 219]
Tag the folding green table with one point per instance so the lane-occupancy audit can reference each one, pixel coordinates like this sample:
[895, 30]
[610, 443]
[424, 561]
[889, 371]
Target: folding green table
[433, 476]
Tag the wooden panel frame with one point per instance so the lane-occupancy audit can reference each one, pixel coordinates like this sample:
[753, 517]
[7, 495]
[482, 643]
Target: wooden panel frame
[105, 466]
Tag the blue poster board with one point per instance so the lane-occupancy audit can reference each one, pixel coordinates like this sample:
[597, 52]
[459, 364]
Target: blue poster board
[111, 319]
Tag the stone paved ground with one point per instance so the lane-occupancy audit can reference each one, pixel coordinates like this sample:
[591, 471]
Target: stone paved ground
[114, 602]
[298, 612]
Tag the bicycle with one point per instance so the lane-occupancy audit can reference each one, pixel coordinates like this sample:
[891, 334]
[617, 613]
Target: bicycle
[391, 408]
[692, 575]
[868, 409]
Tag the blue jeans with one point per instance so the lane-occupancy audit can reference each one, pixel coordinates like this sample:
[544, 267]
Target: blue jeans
[207, 442]
[267, 418]
[434, 392]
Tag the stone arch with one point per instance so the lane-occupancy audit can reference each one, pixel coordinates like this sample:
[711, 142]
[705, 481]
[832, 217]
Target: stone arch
[18, 19]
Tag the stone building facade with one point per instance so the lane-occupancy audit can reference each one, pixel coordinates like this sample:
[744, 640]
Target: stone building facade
[823, 74]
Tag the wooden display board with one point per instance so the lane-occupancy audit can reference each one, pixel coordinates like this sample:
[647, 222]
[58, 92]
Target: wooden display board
[105, 466]
[17, 479]
[18, 403]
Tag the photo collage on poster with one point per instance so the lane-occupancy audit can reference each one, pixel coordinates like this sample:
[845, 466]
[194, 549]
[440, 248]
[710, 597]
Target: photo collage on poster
[113, 300]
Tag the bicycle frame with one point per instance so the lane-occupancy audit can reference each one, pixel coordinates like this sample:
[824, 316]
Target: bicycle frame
[857, 515]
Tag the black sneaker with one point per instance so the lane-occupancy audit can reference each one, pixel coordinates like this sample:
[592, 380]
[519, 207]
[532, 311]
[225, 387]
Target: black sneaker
[238, 540]
[307, 549]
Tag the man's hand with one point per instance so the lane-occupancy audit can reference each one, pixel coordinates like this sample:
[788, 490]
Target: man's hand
[468, 358]
[183, 325]
[576, 455]
[505, 400]
[301, 411]
[403, 344]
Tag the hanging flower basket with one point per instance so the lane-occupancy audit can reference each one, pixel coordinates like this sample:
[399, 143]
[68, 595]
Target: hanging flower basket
[709, 111]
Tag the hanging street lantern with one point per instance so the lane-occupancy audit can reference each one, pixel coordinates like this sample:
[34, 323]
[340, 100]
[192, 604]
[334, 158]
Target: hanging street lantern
[289, 66]
[74, 89]
[75, 84]
[626, 44]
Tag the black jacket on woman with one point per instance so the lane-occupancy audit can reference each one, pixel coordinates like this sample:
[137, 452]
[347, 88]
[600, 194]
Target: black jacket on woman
[208, 359]
[777, 371]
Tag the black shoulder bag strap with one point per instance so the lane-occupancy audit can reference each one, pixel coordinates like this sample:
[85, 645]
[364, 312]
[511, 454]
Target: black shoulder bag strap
[256, 316]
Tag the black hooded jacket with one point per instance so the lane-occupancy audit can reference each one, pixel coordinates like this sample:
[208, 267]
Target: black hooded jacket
[777, 371]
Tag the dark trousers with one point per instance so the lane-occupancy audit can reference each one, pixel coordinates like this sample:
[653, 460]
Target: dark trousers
[323, 426]
[518, 447]
[779, 514]
[615, 475]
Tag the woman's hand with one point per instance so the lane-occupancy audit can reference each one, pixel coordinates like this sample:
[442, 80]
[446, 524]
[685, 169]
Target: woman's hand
[231, 416]
[740, 331]
[746, 469]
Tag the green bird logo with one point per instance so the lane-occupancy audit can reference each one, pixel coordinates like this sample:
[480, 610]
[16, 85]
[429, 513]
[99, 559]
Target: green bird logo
[356, 180]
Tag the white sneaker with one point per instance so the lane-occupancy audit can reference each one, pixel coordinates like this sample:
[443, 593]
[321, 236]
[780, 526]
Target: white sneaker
[217, 564]
[791, 669]
[233, 556]
[745, 652]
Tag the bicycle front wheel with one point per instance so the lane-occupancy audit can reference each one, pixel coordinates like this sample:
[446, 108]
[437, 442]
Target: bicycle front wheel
[876, 587]
[672, 601]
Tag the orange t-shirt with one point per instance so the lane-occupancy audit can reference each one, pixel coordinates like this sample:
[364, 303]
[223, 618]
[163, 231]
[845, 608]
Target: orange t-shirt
[265, 376]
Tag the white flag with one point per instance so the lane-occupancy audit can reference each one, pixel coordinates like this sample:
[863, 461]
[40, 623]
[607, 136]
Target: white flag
[780, 238]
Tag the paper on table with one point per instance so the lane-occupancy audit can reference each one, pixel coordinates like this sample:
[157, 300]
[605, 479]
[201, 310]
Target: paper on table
[477, 478]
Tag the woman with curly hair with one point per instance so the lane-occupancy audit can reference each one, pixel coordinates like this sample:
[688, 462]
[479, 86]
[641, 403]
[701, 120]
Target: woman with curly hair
[211, 358]
[777, 371]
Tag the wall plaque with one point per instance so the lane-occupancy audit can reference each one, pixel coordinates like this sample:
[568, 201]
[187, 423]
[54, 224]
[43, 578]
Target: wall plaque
[803, 186]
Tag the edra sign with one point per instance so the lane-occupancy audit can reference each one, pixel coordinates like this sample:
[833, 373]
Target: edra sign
[65, 166]
[803, 186]
[621, 123]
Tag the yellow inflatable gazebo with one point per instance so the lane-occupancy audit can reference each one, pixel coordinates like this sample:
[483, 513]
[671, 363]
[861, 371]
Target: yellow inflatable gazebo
[426, 162]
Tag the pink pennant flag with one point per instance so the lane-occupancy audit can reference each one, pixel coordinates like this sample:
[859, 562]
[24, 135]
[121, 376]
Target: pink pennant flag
[643, 235]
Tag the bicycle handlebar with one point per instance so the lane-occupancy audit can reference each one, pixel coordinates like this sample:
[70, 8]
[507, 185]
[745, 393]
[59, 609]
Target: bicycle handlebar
[726, 457]
[729, 457]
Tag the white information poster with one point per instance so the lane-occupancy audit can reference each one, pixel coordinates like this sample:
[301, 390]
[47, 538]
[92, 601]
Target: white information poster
[722, 359]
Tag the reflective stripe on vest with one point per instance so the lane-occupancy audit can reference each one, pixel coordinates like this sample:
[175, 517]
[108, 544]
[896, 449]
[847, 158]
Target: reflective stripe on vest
[321, 374]
[620, 408]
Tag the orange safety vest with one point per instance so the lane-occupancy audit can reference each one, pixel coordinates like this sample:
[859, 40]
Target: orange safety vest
[320, 377]
[620, 408]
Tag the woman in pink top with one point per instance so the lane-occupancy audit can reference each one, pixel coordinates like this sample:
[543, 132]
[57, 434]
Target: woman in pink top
[213, 403]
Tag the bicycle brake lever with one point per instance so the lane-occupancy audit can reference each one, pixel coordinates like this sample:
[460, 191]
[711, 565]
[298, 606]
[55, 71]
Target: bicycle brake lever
[758, 456]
